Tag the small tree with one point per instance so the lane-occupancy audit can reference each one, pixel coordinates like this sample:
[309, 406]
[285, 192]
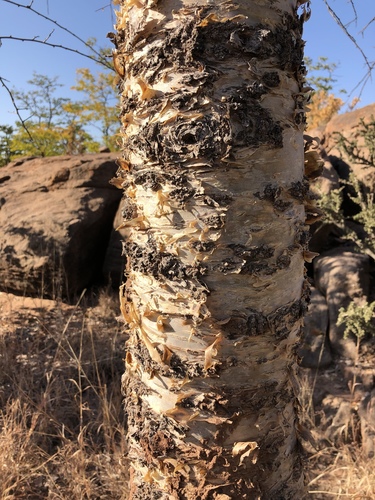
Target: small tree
[323, 104]
[99, 106]
[7, 150]
[360, 149]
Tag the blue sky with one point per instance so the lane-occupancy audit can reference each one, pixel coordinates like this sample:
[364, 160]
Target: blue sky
[95, 18]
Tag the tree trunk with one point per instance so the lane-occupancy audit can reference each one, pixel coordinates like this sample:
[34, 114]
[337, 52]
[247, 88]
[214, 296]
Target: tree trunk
[213, 119]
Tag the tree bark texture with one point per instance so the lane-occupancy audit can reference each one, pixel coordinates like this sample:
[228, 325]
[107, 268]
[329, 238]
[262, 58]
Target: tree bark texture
[214, 212]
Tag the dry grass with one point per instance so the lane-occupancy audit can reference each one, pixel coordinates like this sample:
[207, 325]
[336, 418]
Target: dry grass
[62, 426]
[341, 472]
[61, 421]
[336, 468]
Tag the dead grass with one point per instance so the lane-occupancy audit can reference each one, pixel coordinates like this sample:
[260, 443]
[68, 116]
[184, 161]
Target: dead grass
[341, 472]
[337, 468]
[61, 421]
[62, 426]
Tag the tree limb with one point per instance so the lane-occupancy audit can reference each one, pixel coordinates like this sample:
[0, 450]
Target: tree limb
[54, 45]
[99, 58]
[340, 23]
[23, 122]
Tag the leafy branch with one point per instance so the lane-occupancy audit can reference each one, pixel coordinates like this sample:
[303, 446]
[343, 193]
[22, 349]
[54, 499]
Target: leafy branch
[358, 319]
[331, 204]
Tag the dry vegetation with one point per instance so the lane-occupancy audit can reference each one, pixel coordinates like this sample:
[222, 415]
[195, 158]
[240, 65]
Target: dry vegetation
[336, 468]
[61, 419]
[62, 427]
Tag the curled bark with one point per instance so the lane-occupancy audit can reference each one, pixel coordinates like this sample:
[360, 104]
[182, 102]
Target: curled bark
[213, 118]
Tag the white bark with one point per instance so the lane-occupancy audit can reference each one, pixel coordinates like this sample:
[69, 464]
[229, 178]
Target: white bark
[213, 173]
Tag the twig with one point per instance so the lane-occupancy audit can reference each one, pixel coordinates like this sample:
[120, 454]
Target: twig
[367, 25]
[99, 58]
[355, 13]
[54, 45]
[339, 22]
[2, 80]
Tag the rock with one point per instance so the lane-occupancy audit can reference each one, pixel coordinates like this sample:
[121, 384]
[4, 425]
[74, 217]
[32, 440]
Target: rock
[339, 414]
[315, 350]
[347, 125]
[328, 180]
[342, 276]
[366, 412]
[56, 218]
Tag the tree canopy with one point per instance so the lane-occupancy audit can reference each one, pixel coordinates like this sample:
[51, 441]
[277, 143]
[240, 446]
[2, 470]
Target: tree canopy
[56, 125]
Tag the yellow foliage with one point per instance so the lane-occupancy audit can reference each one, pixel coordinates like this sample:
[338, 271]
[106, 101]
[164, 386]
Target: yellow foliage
[323, 107]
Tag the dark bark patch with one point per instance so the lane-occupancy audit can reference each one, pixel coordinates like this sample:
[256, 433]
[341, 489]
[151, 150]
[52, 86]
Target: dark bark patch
[252, 253]
[270, 193]
[271, 79]
[273, 194]
[299, 190]
[283, 319]
[128, 209]
[149, 180]
[302, 237]
[252, 260]
[220, 41]
[203, 246]
[217, 199]
[182, 194]
[148, 260]
[282, 205]
[249, 324]
[283, 261]
[177, 367]
[208, 137]
[214, 221]
[252, 124]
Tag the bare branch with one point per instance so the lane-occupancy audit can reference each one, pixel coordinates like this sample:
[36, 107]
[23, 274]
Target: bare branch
[54, 45]
[23, 123]
[355, 13]
[367, 25]
[99, 58]
[362, 83]
[339, 22]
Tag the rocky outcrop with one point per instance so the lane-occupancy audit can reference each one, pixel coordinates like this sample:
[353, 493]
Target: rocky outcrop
[346, 124]
[341, 274]
[56, 217]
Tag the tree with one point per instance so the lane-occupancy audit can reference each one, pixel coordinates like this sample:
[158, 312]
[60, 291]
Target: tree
[43, 106]
[100, 106]
[6, 150]
[323, 104]
[50, 129]
[212, 109]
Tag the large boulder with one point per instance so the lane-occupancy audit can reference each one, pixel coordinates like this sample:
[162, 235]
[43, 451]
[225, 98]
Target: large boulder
[342, 276]
[56, 218]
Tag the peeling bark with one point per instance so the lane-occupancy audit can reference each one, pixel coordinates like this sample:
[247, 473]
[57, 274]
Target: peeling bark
[213, 172]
